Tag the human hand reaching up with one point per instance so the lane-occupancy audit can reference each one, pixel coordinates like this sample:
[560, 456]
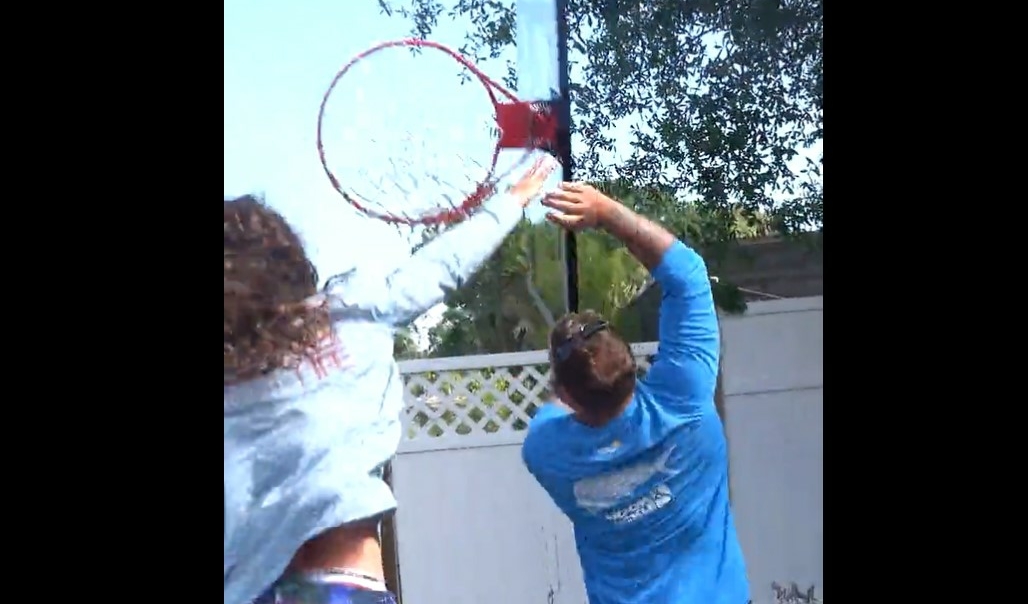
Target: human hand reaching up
[578, 206]
[531, 183]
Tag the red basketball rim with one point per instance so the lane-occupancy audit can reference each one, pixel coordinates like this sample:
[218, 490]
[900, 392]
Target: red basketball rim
[521, 126]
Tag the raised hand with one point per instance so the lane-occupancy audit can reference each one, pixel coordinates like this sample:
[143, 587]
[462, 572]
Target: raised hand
[578, 206]
[531, 183]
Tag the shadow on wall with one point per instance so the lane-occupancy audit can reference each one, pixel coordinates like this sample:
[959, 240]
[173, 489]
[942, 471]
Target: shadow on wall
[792, 594]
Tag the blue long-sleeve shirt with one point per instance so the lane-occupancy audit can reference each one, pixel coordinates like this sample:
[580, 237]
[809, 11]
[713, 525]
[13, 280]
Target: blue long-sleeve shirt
[302, 448]
[648, 492]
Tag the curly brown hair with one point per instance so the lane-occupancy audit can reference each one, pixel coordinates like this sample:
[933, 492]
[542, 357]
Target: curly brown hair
[269, 322]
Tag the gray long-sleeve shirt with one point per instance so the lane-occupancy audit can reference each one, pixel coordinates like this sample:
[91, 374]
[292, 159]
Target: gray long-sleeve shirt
[301, 446]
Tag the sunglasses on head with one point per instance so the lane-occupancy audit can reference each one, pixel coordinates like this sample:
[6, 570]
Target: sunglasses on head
[577, 338]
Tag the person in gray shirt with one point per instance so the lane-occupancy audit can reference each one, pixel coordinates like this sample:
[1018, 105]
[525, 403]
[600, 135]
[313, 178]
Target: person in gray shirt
[313, 398]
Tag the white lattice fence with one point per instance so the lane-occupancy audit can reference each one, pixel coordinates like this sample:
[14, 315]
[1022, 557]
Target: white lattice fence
[490, 398]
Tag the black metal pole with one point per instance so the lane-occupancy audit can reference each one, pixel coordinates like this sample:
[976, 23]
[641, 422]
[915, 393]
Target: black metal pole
[564, 148]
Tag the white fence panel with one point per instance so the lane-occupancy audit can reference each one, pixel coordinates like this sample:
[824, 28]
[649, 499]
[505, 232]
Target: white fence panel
[474, 527]
[491, 535]
[774, 402]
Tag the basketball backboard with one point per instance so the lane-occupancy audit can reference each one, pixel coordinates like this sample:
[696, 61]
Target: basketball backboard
[538, 79]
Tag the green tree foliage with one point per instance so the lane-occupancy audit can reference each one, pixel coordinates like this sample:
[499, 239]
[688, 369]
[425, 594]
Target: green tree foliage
[512, 301]
[719, 95]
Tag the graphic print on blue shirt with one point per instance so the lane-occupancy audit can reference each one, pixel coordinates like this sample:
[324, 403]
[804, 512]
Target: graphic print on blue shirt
[648, 491]
[599, 493]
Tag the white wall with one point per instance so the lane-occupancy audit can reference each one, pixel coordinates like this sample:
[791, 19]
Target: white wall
[474, 527]
[485, 534]
[773, 382]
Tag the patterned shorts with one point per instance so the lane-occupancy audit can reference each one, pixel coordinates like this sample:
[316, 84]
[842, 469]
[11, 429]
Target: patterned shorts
[324, 589]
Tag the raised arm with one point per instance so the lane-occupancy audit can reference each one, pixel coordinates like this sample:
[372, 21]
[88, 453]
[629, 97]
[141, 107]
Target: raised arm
[687, 359]
[685, 371]
[442, 265]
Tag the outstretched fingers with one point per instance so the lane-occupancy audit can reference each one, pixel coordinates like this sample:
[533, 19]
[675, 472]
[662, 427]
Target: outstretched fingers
[531, 182]
[560, 202]
[563, 220]
[542, 167]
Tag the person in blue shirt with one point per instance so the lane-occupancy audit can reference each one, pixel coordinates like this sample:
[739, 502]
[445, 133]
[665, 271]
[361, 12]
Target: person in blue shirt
[313, 398]
[640, 466]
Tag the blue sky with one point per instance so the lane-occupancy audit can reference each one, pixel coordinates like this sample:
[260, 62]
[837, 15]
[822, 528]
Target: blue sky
[280, 57]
